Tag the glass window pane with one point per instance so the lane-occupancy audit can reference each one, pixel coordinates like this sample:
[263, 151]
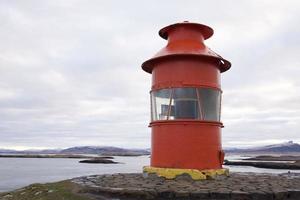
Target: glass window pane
[160, 105]
[210, 103]
[184, 104]
[153, 108]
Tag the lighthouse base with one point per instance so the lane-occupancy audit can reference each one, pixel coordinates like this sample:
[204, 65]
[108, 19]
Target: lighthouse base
[172, 173]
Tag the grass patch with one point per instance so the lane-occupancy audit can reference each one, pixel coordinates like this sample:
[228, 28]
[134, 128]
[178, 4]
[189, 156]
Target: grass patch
[64, 190]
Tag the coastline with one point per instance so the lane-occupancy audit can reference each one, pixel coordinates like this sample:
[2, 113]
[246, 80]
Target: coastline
[89, 156]
[260, 161]
[45, 156]
[35, 170]
[269, 162]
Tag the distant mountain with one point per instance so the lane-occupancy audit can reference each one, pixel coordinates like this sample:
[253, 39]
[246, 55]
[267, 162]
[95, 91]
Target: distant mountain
[282, 148]
[101, 150]
[46, 151]
[7, 151]
[104, 151]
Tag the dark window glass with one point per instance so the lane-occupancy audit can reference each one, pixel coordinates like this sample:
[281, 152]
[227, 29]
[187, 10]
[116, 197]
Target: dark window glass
[185, 104]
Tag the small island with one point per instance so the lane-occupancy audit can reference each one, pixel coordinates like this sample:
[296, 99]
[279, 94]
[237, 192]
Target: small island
[99, 160]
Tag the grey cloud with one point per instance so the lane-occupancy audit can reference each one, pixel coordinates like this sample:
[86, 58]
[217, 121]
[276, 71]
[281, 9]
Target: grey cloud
[70, 70]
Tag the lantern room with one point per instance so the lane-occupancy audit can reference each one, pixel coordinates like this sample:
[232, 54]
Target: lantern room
[186, 103]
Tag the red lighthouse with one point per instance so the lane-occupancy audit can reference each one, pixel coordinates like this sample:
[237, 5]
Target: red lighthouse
[186, 104]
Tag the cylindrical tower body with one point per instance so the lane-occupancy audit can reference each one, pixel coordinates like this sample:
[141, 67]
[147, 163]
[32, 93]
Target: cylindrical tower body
[186, 100]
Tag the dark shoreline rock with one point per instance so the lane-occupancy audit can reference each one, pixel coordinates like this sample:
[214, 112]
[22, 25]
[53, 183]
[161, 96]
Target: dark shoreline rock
[268, 165]
[274, 158]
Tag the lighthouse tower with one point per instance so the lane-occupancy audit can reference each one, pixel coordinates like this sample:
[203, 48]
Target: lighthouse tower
[186, 104]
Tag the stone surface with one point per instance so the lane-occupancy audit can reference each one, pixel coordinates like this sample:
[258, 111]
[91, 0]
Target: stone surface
[236, 186]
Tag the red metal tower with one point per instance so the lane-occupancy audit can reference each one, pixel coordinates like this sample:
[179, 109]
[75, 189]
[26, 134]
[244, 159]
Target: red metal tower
[185, 104]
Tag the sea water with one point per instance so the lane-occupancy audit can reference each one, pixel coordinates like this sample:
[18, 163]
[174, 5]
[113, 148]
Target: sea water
[19, 172]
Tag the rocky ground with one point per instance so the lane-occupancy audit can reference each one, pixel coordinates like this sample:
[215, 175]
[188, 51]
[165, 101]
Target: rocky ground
[241, 186]
[236, 186]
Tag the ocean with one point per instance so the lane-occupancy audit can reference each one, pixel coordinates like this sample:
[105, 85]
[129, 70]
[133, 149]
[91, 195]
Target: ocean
[19, 172]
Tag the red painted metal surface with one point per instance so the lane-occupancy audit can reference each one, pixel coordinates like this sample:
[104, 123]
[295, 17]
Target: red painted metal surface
[184, 72]
[186, 62]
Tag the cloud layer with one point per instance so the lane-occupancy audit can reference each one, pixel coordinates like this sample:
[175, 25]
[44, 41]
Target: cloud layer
[70, 70]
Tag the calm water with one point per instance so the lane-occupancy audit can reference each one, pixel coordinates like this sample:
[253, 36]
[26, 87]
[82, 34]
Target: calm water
[19, 172]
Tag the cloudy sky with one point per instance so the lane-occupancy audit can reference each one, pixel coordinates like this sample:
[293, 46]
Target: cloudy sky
[70, 70]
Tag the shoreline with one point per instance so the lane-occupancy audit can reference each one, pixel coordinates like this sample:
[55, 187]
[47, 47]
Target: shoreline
[75, 156]
[261, 161]
[47, 156]
[265, 165]
[269, 162]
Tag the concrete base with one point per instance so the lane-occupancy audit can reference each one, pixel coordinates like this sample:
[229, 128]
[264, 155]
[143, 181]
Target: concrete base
[171, 173]
[239, 186]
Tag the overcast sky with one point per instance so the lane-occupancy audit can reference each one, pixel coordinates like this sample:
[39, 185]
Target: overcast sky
[70, 70]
